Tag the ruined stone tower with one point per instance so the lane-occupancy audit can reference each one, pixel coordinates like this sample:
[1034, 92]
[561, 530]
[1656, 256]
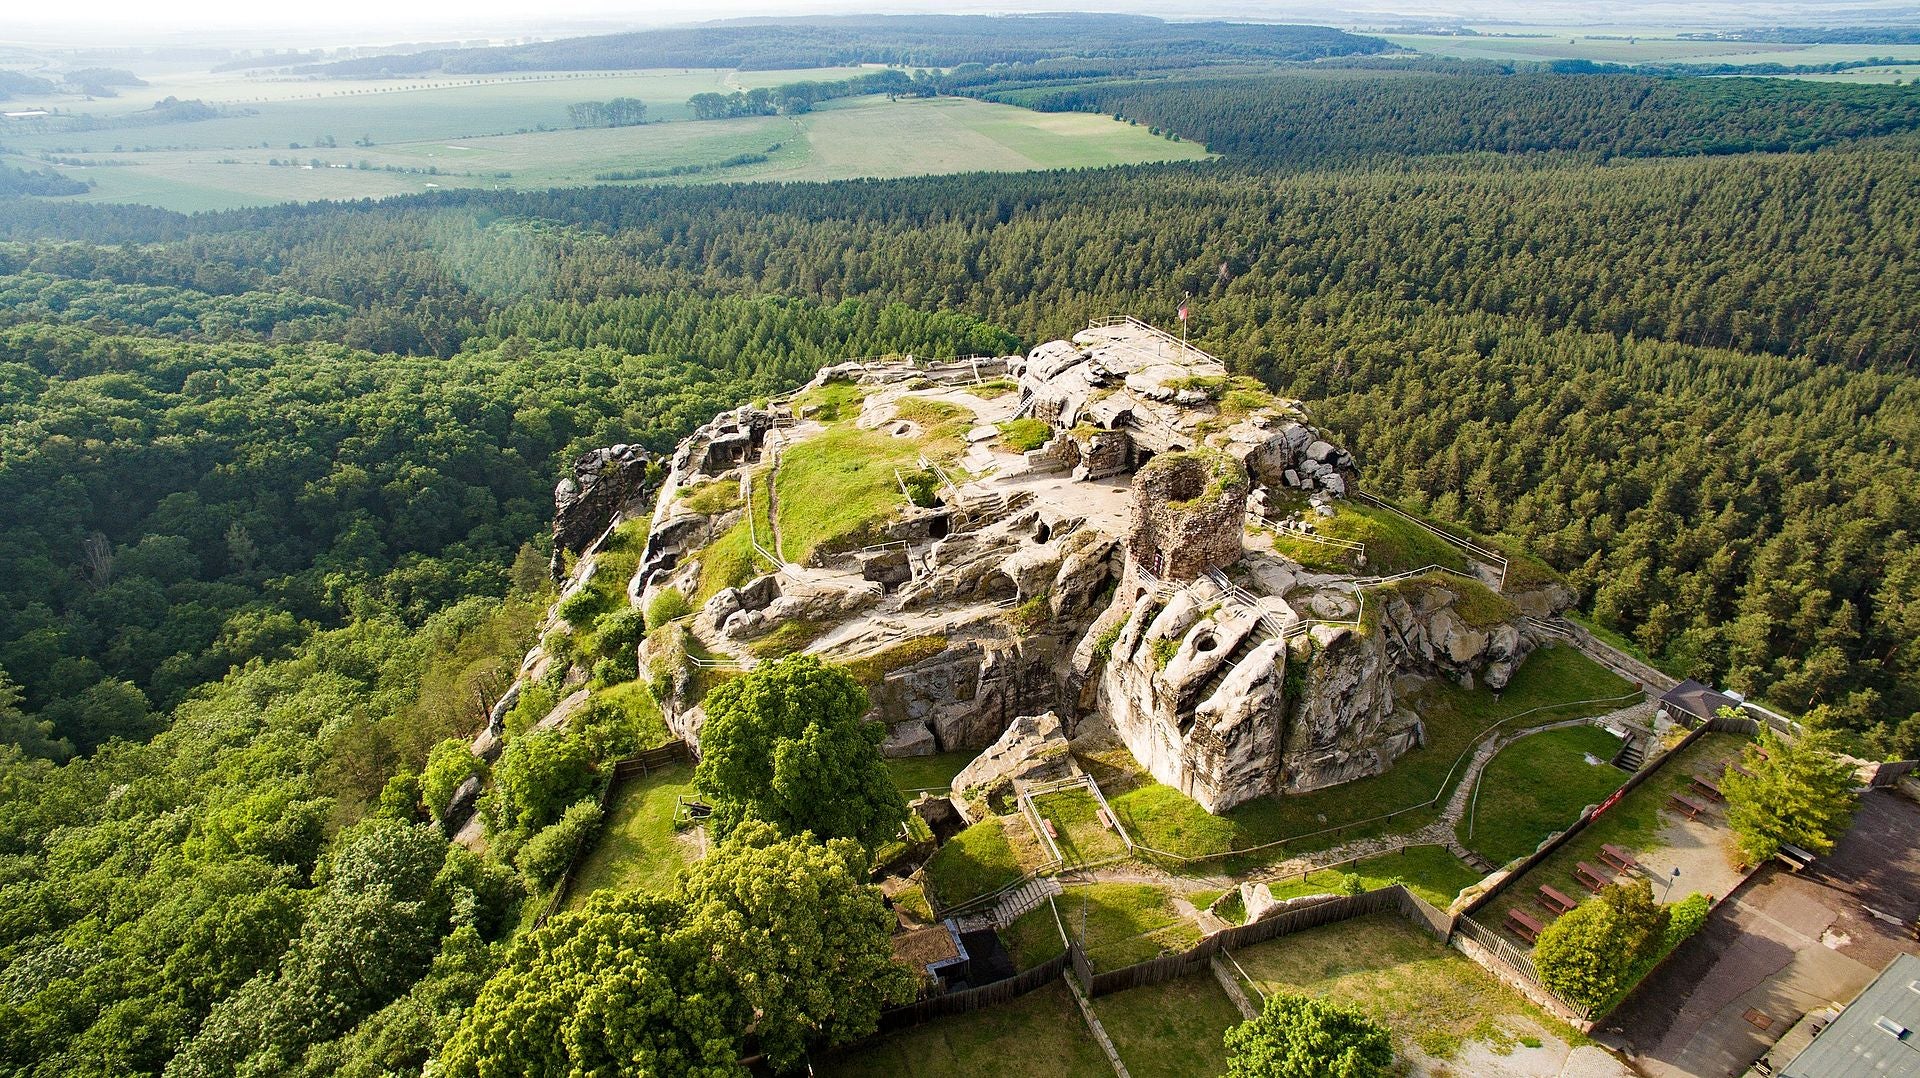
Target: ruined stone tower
[1189, 511]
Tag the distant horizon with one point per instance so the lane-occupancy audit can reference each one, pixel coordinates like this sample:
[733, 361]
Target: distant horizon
[232, 24]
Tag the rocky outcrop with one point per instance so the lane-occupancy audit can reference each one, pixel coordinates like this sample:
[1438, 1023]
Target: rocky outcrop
[1033, 748]
[603, 483]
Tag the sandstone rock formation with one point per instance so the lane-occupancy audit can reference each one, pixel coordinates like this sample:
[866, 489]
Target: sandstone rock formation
[603, 483]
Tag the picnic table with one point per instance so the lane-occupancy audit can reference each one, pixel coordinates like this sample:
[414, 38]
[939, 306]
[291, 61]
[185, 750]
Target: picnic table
[1590, 877]
[1737, 769]
[1618, 858]
[1709, 787]
[1554, 899]
[1686, 804]
[1525, 925]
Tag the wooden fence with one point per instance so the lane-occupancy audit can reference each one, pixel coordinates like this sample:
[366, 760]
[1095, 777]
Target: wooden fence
[972, 999]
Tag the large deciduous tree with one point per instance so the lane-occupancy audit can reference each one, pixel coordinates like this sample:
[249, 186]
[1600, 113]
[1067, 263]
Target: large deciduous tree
[786, 744]
[804, 935]
[1301, 1037]
[1795, 792]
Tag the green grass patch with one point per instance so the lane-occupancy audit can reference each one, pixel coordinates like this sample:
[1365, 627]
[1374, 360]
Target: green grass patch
[1537, 786]
[832, 402]
[1125, 923]
[788, 637]
[1022, 435]
[1430, 997]
[1075, 816]
[871, 670]
[713, 498]
[638, 849]
[1479, 606]
[1455, 718]
[1038, 1035]
[1394, 544]
[934, 772]
[607, 591]
[1171, 1030]
[1431, 872]
[838, 490]
[730, 560]
[1034, 937]
[992, 388]
[978, 861]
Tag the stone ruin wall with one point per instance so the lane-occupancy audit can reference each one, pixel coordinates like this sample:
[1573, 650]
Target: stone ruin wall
[1189, 514]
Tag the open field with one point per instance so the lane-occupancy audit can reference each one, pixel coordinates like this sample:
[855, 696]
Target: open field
[1118, 924]
[1627, 47]
[1433, 999]
[638, 848]
[936, 772]
[380, 139]
[1039, 1034]
[1431, 872]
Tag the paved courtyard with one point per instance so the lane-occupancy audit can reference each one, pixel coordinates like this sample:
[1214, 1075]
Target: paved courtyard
[1780, 946]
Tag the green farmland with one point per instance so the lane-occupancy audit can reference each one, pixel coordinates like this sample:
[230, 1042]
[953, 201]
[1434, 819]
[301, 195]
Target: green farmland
[308, 140]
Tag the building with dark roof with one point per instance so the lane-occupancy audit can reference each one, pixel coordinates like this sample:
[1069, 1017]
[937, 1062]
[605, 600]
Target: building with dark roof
[1692, 698]
[1877, 1036]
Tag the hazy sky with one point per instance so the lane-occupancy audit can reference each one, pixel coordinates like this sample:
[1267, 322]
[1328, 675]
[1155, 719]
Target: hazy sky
[279, 22]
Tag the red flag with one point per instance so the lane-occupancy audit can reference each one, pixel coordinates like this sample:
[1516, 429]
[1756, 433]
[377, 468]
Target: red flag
[1183, 313]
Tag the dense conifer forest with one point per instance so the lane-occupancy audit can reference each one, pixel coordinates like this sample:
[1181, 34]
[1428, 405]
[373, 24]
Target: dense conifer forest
[277, 480]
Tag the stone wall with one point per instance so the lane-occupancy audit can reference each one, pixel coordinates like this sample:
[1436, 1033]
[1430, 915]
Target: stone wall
[1189, 513]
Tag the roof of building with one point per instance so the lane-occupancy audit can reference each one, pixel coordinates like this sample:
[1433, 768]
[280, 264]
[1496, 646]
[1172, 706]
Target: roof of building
[1698, 700]
[1878, 1035]
[925, 947]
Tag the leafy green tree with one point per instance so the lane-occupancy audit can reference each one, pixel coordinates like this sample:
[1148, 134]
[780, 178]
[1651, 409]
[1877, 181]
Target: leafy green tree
[786, 743]
[540, 773]
[1302, 1037]
[1590, 954]
[450, 763]
[1799, 792]
[804, 935]
[618, 986]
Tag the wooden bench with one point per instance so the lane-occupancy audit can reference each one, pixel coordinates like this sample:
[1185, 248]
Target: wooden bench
[1554, 899]
[1709, 787]
[1590, 877]
[1687, 805]
[1618, 858]
[1737, 769]
[1525, 925]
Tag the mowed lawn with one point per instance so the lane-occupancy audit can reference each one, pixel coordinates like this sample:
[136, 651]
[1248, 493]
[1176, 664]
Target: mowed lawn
[517, 136]
[638, 849]
[1039, 1035]
[1428, 995]
[1536, 786]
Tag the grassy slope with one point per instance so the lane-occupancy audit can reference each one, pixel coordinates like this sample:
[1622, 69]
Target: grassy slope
[1125, 923]
[1076, 819]
[838, 489]
[1426, 994]
[638, 848]
[1039, 1035]
[1166, 820]
[977, 861]
[1537, 786]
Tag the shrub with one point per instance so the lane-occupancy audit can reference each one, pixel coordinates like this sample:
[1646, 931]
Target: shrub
[669, 605]
[1796, 792]
[539, 774]
[577, 609]
[547, 854]
[1593, 954]
[450, 763]
[1301, 1037]
[619, 633]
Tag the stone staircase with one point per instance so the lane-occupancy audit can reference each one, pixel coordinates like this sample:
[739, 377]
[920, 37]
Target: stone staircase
[1027, 898]
[1633, 753]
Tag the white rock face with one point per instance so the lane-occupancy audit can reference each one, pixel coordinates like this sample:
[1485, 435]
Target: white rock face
[1034, 747]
